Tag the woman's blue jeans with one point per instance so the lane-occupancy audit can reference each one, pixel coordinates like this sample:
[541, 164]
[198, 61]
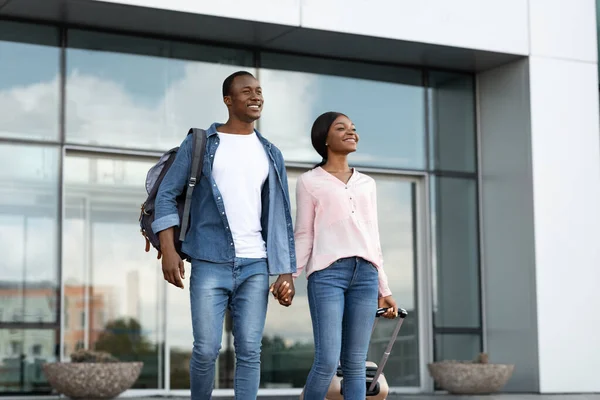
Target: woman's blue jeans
[343, 303]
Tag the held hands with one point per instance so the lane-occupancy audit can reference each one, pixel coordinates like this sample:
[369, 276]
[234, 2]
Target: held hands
[389, 303]
[283, 289]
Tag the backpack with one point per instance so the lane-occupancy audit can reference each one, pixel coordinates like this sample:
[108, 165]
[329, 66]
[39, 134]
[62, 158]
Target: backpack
[153, 180]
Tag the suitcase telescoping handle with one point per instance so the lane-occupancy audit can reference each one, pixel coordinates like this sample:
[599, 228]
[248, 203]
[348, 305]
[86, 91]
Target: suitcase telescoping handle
[401, 315]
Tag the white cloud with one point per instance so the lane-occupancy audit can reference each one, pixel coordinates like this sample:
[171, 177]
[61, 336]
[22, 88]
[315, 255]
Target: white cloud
[102, 112]
[31, 110]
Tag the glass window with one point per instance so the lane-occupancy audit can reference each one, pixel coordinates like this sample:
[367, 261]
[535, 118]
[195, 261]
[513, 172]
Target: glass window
[28, 227]
[22, 355]
[29, 81]
[456, 249]
[460, 347]
[113, 289]
[143, 93]
[16, 348]
[385, 103]
[452, 122]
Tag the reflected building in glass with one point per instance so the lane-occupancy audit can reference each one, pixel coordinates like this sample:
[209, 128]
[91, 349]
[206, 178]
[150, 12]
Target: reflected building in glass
[448, 128]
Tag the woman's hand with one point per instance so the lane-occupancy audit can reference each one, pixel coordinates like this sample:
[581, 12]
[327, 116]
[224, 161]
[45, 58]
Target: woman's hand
[389, 303]
[283, 289]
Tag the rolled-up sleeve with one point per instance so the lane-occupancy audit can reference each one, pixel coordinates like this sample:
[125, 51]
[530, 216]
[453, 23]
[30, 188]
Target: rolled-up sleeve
[165, 222]
[172, 185]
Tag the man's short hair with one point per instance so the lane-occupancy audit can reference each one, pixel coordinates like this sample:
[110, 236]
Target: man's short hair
[229, 81]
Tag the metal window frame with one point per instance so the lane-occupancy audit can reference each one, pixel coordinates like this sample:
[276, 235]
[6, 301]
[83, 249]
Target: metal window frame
[480, 219]
[61, 192]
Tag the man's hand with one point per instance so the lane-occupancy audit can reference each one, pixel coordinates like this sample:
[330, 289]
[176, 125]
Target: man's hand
[172, 264]
[283, 289]
[389, 303]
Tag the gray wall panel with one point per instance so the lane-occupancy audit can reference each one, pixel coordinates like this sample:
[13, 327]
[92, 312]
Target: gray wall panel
[507, 222]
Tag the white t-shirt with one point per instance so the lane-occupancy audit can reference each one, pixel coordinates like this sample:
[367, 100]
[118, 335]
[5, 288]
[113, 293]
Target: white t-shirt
[240, 169]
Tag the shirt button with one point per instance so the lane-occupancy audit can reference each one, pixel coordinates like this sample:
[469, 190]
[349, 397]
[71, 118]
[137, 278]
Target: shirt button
[211, 155]
[223, 213]
[226, 228]
[218, 198]
[232, 244]
[214, 184]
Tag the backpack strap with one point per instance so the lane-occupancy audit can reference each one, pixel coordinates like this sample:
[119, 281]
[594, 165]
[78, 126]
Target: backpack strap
[199, 146]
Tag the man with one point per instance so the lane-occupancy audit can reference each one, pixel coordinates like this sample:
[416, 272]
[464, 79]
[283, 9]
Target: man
[240, 233]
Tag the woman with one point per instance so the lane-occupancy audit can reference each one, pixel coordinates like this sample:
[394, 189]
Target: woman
[337, 242]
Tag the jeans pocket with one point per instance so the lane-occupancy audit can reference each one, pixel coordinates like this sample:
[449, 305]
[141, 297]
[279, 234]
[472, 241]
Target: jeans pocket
[369, 271]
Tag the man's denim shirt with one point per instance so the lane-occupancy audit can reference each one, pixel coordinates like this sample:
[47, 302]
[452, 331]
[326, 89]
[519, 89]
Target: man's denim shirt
[209, 237]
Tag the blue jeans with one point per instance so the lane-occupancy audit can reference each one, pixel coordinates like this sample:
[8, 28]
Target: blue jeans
[343, 303]
[243, 286]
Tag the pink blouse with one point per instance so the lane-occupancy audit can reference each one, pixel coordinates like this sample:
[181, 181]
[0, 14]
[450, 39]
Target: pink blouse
[336, 220]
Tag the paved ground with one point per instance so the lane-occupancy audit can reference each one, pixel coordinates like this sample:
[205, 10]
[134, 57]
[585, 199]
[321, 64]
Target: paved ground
[391, 397]
[447, 397]
[499, 397]
[436, 397]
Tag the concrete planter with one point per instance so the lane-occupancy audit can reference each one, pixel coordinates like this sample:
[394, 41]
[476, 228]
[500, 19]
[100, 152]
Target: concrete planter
[92, 380]
[470, 377]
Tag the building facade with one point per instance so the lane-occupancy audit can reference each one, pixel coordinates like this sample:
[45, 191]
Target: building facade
[479, 121]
